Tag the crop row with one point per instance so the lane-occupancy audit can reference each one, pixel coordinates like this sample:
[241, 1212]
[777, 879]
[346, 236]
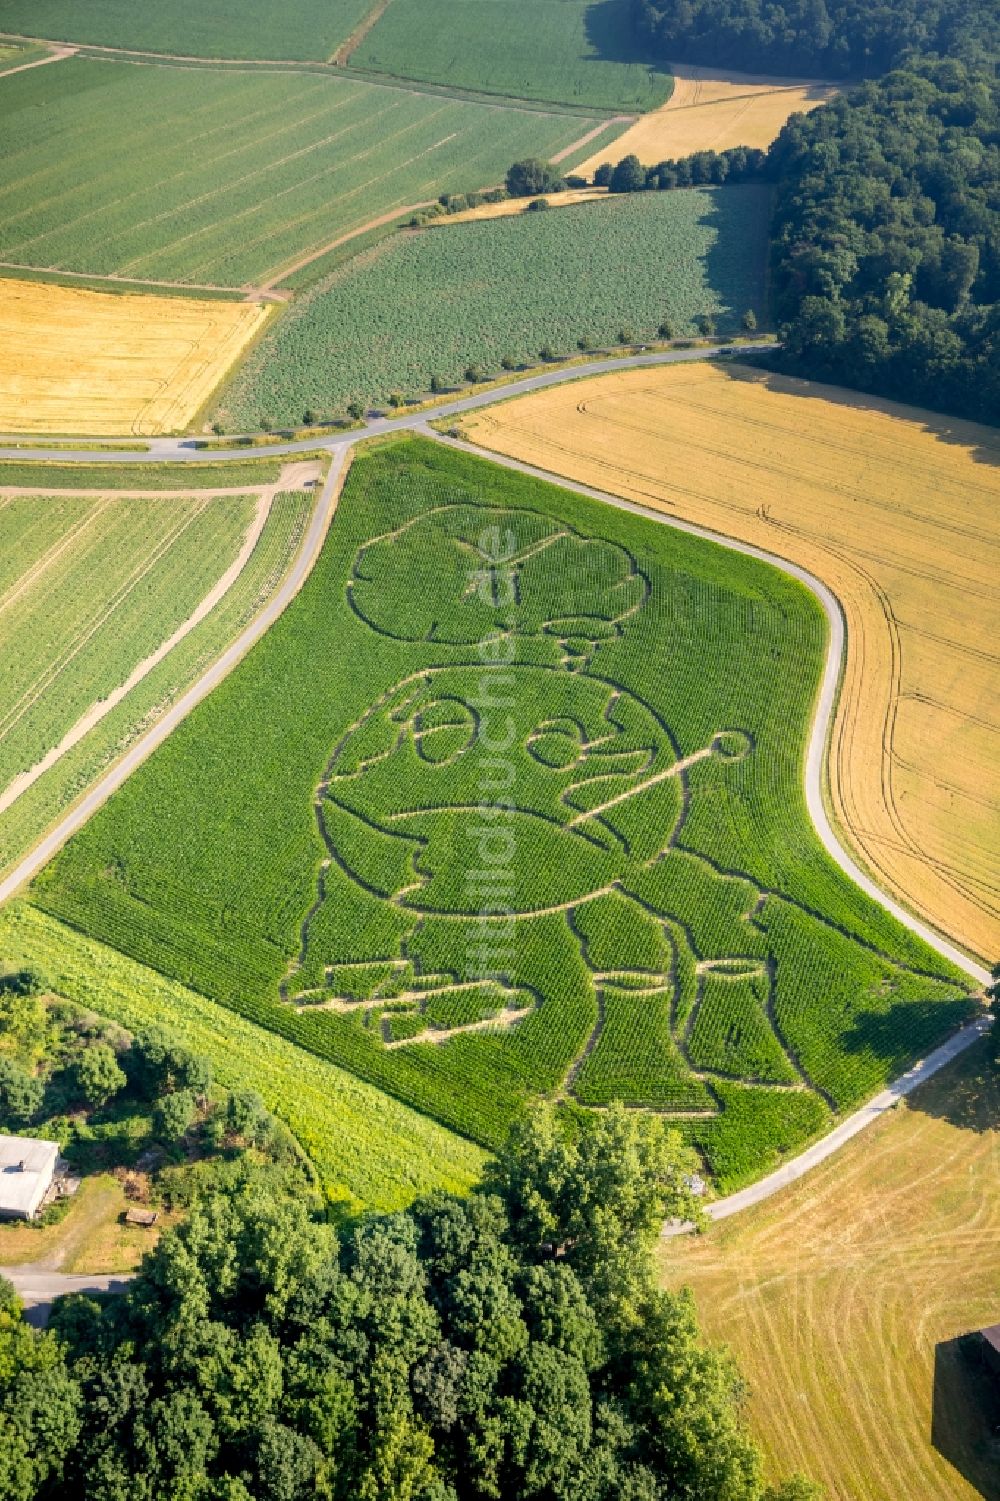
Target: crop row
[434, 303]
[566, 52]
[123, 577]
[255, 28]
[732, 1034]
[35, 809]
[635, 1057]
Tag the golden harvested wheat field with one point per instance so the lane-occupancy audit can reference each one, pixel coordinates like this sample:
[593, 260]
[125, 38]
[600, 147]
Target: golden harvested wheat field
[844, 1298]
[895, 509]
[711, 111]
[102, 363]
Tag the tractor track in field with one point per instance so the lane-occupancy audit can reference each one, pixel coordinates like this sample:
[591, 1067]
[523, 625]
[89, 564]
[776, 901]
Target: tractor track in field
[292, 477]
[340, 447]
[101, 790]
[57, 55]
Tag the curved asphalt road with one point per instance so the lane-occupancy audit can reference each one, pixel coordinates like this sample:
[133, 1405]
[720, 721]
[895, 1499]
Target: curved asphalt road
[184, 450]
[38, 1288]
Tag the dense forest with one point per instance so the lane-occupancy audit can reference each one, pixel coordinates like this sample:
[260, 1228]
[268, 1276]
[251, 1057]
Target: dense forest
[886, 239]
[510, 1344]
[817, 38]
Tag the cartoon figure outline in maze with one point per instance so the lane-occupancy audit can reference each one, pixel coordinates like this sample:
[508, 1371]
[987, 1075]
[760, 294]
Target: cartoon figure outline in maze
[575, 777]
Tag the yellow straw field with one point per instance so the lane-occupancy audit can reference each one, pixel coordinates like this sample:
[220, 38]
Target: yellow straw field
[711, 111]
[845, 1299]
[101, 363]
[511, 206]
[895, 510]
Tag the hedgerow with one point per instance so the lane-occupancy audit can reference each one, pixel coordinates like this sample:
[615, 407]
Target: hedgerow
[304, 849]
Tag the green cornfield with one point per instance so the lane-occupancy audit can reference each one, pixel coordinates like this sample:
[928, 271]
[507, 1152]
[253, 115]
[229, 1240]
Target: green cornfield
[337, 1119]
[508, 804]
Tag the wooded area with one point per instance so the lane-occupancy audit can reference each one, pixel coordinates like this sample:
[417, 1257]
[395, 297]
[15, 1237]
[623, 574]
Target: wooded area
[886, 239]
[821, 38]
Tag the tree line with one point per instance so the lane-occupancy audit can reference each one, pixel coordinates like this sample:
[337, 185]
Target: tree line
[816, 38]
[510, 1344]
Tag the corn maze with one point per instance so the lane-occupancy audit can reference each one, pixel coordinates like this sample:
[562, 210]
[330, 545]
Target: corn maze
[509, 803]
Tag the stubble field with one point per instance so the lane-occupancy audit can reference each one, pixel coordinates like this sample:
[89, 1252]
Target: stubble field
[101, 363]
[895, 510]
[844, 1299]
[710, 110]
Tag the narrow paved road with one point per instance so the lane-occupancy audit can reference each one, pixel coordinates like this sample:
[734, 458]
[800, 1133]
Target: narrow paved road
[340, 445]
[185, 450]
[38, 1288]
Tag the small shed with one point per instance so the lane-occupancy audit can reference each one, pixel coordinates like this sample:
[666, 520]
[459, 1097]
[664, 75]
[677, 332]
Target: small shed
[27, 1168]
[134, 1216]
[991, 1347]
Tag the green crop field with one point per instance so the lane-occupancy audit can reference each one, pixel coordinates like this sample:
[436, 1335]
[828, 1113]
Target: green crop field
[509, 802]
[47, 475]
[369, 1151]
[168, 594]
[230, 176]
[453, 295]
[253, 29]
[16, 54]
[574, 51]
[88, 589]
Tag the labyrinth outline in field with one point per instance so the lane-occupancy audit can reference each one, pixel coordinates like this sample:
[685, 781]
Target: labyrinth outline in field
[513, 733]
[506, 568]
[401, 775]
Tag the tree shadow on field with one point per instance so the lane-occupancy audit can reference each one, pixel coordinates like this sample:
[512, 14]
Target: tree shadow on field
[966, 1093]
[982, 443]
[611, 35]
[965, 1413]
[736, 260]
